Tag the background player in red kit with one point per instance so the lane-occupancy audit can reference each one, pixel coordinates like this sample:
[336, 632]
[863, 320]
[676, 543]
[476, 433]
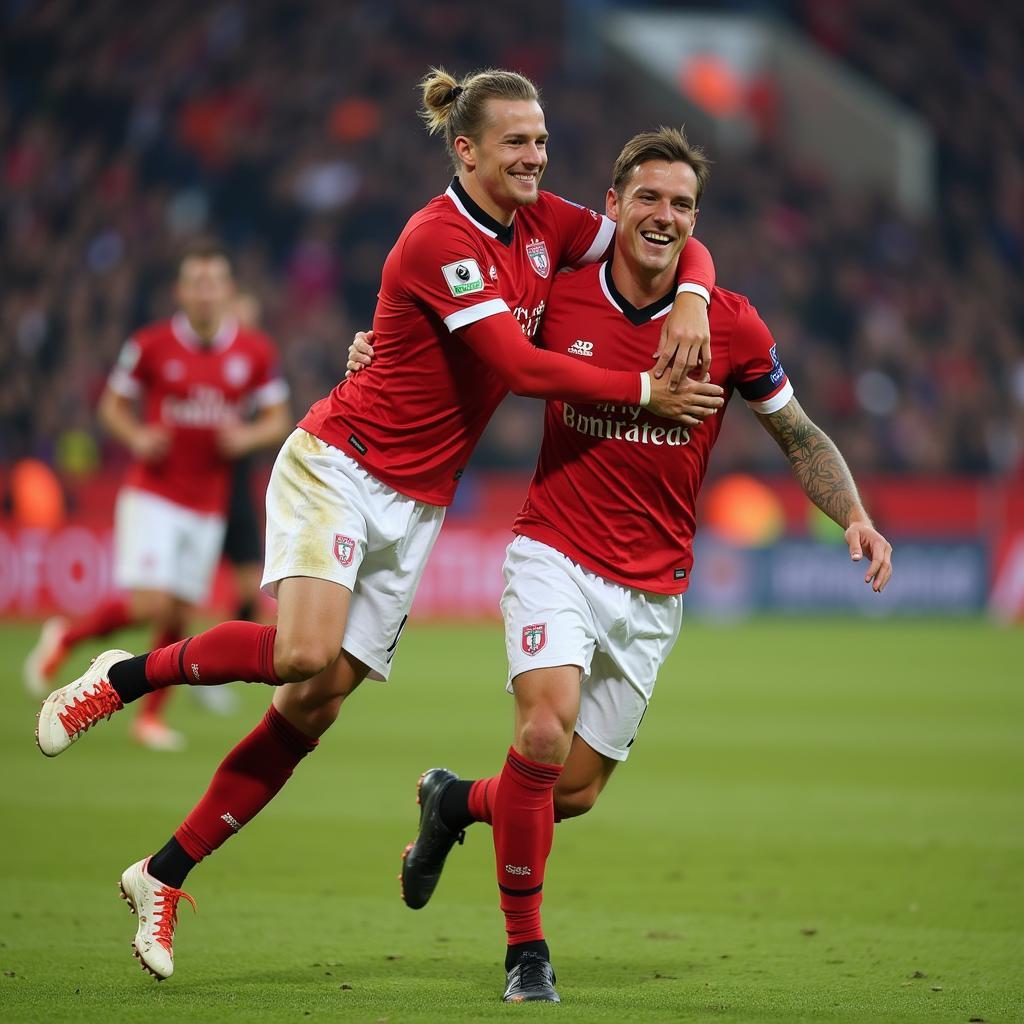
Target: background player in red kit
[187, 397]
[357, 493]
[591, 615]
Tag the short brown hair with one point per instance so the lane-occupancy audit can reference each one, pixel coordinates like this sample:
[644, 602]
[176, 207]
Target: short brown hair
[204, 248]
[669, 144]
[459, 108]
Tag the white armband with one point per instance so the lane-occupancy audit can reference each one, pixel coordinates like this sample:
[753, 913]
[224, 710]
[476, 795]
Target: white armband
[697, 289]
[645, 389]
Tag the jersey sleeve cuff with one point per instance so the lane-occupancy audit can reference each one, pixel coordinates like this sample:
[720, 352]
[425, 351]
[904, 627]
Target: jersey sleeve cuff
[124, 385]
[272, 393]
[645, 390]
[482, 310]
[775, 402]
[602, 240]
[697, 289]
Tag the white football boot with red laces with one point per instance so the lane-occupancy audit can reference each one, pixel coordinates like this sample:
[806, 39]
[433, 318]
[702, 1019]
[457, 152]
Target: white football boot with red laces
[73, 709]
[157, 907]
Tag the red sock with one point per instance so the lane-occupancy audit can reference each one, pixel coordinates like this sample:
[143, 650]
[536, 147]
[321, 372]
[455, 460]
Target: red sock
[111, 615]
[224, 654]
[246, 781]
[524, 825]
[481, 799]
[153, 702]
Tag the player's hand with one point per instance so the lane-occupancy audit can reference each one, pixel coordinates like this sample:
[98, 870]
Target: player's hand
[234, 441]
[150, 442]
[863, 539]
[685, 340]
[360, 352]
[693, 403]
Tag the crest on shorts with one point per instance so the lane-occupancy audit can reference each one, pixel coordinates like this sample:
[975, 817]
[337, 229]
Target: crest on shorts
[344, 549]
[535, 637]
[538, 253]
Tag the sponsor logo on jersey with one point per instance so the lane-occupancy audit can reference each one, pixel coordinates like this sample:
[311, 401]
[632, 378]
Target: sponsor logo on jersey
[611, 425]
[534, 638]
[581, 348]
[205, 407]
[236, 370]
[344, 549]
[463, 277]
[538, 253]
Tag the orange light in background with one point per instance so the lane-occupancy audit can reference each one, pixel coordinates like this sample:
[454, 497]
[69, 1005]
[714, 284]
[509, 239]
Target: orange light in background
[37, 498]
[743, 511]
[711, 83]
[354, 120]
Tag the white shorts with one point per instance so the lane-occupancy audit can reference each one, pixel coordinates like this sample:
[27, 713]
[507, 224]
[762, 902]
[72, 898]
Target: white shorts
[330, 519]
[558, 613]
[159, 545]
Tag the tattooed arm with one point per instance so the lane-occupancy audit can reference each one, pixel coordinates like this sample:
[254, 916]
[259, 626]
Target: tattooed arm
[826, 480]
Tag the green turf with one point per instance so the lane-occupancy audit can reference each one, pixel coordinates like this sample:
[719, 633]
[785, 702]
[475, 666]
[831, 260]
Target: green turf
[820, 821]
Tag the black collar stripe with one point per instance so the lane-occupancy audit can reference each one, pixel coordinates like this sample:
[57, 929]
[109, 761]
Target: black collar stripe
[483, 220]
[628, 310]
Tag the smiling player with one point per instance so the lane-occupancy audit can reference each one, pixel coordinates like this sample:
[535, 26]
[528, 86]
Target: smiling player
[591, 614]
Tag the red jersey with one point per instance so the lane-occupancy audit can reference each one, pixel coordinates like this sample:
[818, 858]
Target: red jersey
[413, 417]
[616, 487]
[194, 389]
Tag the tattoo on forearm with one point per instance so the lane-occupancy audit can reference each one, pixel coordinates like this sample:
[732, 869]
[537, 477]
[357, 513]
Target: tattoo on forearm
[816, 461]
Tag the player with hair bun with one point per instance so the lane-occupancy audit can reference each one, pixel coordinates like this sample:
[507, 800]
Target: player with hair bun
[358, 492]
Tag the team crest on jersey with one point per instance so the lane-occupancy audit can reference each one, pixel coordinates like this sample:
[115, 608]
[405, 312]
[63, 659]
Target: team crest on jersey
[535, 637]
[538, 253]
[344, 549]
[236, 370]
[174, 369]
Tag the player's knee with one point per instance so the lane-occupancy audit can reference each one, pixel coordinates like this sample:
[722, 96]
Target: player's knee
[302, 659]
[544, 738]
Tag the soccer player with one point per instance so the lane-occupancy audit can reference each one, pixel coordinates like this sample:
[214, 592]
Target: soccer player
[358, 491]
[176, 399]
[591, 615]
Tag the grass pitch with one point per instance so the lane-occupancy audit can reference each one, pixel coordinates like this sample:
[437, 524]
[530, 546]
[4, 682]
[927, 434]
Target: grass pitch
[820, 821]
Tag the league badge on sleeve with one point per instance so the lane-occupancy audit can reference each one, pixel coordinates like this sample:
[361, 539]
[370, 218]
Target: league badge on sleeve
[463, 277]
[538, 253]
[535, 637]
[344, 549]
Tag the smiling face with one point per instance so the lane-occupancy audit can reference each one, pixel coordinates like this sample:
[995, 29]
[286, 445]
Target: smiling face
[502, 169]
[654, 217]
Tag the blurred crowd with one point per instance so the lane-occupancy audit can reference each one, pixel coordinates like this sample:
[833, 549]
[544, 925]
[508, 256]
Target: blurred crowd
[290, 130]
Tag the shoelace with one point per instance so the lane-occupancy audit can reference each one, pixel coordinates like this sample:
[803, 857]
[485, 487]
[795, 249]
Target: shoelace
[85, 711]
[165, 913]
[535, 972]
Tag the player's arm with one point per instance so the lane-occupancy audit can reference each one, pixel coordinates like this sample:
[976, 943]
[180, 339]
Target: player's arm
[535, 373]
[685, 341]
[827, 481]
[116, 412]
[270, 425]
